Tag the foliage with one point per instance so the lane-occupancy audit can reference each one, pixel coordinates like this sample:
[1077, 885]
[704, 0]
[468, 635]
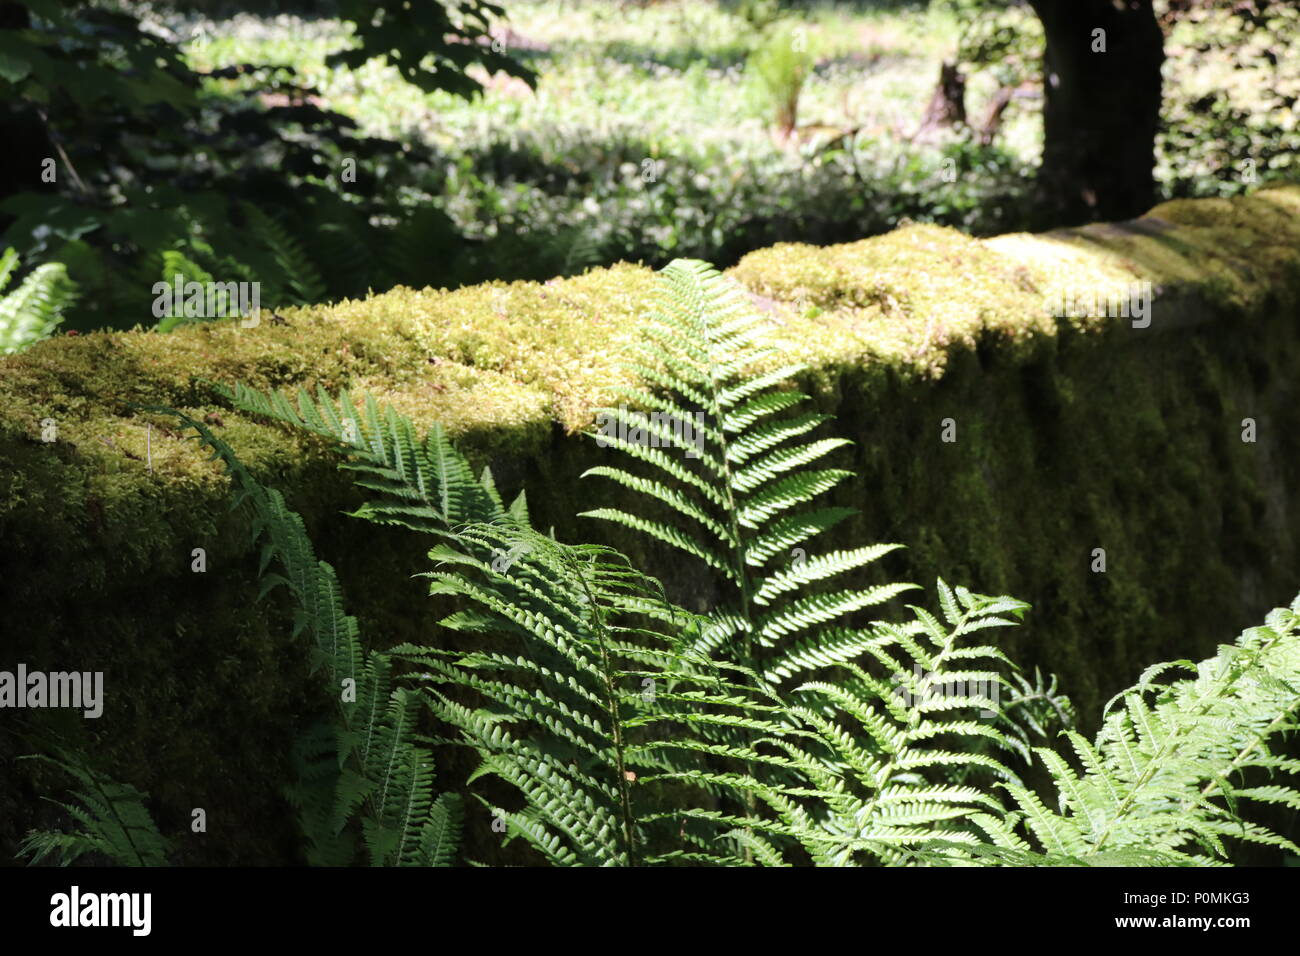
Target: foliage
[453, 37]
[519, 184]
[739, 508]
[365, 780]
[241, 170]
[894, 759]
[619, 155]
[1232, 83]
[34, 310]
[588, 682]
[780, 65]
[365, 769]
[759, 14]
[424, 484]
[579, 679]
[862, 761]
[112, 820]
[1002, 36]
[577, 610]
[1169, 777]
[92, 57]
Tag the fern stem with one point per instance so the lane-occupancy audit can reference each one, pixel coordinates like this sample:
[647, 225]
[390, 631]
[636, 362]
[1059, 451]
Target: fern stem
[616, 723]
[739, 555]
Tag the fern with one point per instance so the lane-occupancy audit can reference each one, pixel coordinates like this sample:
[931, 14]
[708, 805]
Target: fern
[1175, 764]
[177, 265]
[34, 310]
[582, 250]
[369, 764]
[870, 772]
[742, 499]
[420, 245]
[499, 562]
[295, 280]
[113, 820]
[777, 731]
[423, 484]
[741, 509]
[337, 246]
[583, 699]
[428, 487]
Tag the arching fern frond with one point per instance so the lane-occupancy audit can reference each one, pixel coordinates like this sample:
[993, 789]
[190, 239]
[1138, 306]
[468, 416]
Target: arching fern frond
[726, 460]
[369, 764]
[111, 820]
[888, 764]
[422, 483]
[583, 698]
[727, 457]
[1177, 762]
[292, 278]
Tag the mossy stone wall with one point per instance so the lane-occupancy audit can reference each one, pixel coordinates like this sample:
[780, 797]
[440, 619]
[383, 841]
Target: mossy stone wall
[1071, 435]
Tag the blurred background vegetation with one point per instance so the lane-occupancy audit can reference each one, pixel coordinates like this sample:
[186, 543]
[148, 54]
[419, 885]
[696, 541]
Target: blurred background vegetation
[330, 148]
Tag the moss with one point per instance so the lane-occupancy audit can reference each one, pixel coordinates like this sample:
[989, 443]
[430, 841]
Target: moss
[1071, 435]
[1228, 252]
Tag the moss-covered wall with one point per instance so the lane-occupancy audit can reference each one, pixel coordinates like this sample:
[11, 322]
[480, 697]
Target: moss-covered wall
[1071, 434]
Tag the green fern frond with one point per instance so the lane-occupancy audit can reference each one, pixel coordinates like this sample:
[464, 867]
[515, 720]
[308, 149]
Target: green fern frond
[297, 282]
[112, 821]
[740, 482]
[740, 492]
[371, 768]
[598, 715]
[889, 754]
[424, 484]
[1177, 762]
[34, 310]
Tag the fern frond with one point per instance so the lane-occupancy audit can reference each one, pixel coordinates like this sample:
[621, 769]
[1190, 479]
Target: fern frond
[877, 768]
[371, 768]
[34, 310]
[744, 500]
[112, 817]
[598, 716]
[424, 484]
[297, 281]
[1176, 764]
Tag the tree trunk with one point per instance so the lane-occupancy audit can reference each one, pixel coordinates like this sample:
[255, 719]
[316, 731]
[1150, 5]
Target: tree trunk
[1101, 108]
[948, 103]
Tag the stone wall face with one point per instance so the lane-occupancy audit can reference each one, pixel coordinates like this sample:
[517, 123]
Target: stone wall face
[1072, 433]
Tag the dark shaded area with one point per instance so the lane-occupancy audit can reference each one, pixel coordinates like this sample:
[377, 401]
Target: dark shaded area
[1103, 86]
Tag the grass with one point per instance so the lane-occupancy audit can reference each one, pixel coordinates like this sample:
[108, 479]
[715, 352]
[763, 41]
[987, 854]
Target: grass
[650, 136]
[673, 71]
[627, 91]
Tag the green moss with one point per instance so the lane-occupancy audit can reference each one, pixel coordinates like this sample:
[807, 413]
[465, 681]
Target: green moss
[1072, 435]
